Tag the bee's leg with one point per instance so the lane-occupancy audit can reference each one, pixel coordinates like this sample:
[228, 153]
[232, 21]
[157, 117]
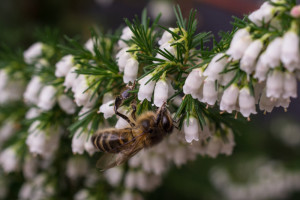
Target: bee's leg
[118, 103]
[133, 107]
[160, 113]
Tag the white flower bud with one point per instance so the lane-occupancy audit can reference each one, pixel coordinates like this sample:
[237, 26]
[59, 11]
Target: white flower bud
[114, 176]
[146, 89]
[126, 35]
[289, 86]
[122, 57]
[166, 37]
[275, 84]
[9, 160]
[78, 142]
[263, 14]
[290, 55]
[66, 104]
[249, 58]
[107, 109]
[64, 66]
[266, 104]
[246, 102]
[191, 129]
[229, 98]
[215, 67]
[33, 52]
[70, 78]
[240, 41]
[261, 68]
[160, 93]
[272, 55]
[210, 92]
[131, 70]
[32, 91]
[193, 82]
[76, 167]
[47, 98]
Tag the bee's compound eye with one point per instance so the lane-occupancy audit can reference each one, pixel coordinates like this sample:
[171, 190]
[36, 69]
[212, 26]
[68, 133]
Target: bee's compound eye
[167, 124]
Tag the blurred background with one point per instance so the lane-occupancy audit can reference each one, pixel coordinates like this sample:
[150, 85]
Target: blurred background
[265, 163]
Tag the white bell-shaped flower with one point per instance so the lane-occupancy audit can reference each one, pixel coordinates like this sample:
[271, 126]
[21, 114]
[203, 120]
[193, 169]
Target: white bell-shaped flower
[70, 78]
[240, 42]
[126, 35]
[36, 139]
[76, 167]
[210, 92]
[78, 142]
[31, 94]
[227, 77]
[283, 102]
[290, 55]
[229, 98]
[249, 58]
[146, 88]
[275, 84]
[289, 86]
[9, 160]
[193, 82]
[83, 94]
[32, 113]
[160, 93]
[107, 109]
[263, 14]
[215, 67]
[246, 102]
[89, 146]
[66, 104]
[273, 52]
[47, 97]
[166, 37]
[64, 66]
[168, 48]
[261, 68]
[114, 175]
[131, 70]
[33, 52]
[266, 104]
[191, 129]
[122, 57]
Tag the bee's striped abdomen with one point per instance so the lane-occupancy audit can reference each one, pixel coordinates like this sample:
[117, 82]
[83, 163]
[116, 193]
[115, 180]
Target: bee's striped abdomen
[111, 140]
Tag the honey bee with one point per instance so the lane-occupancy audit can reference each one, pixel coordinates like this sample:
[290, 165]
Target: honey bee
[145, 131]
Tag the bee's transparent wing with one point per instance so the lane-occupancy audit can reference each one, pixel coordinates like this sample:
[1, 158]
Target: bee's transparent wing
[109, 160]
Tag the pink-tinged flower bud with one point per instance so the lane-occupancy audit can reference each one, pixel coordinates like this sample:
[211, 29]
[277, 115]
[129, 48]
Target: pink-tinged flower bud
[295, 12]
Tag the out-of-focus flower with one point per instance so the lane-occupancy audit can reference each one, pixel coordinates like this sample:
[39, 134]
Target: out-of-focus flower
[295, 11]
[263, 14]
[33, 52]
[31, 94]
[76, 167]
[114, 175]
[126, 35]
[64, 66]
[78, 142]
[66, 104]
[47, 97]
[9, 160]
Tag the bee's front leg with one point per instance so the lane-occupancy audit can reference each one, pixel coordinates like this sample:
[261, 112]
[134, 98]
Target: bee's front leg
[133, 107]
[118, 103]
[160, 113]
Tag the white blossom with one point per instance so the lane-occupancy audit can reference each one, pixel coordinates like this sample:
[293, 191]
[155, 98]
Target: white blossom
[66, 104]
[82, 194]
[249, 58]
[191, 129]
[130, 180]
[114, 176]
[216, 66]
[3, 79]
[266, 104]
[193, 82]
[83, 94]
[210, 92]
[107, 109]
[272, 54]
[126, 35]
[290, 55]
[122, 57]
[47, 97]
[246, 102]
[275, 84]
[30, 167]
[167, 48]
[89, 45]
[9, 160]
[166, 37]
[283, 102]
[289, 86]
[31, 94]
[64, 66]
[227, 77]
[229, 98]
[78, 142]
[33, 113]
[26, 191]
[89, 147]
[261, 68]
[263, 14]
[160, 93]
[7, 130]
[33, 52]
[76, 167]
[70, 78]
[131, 70]
[240, 42]
[146, 88]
